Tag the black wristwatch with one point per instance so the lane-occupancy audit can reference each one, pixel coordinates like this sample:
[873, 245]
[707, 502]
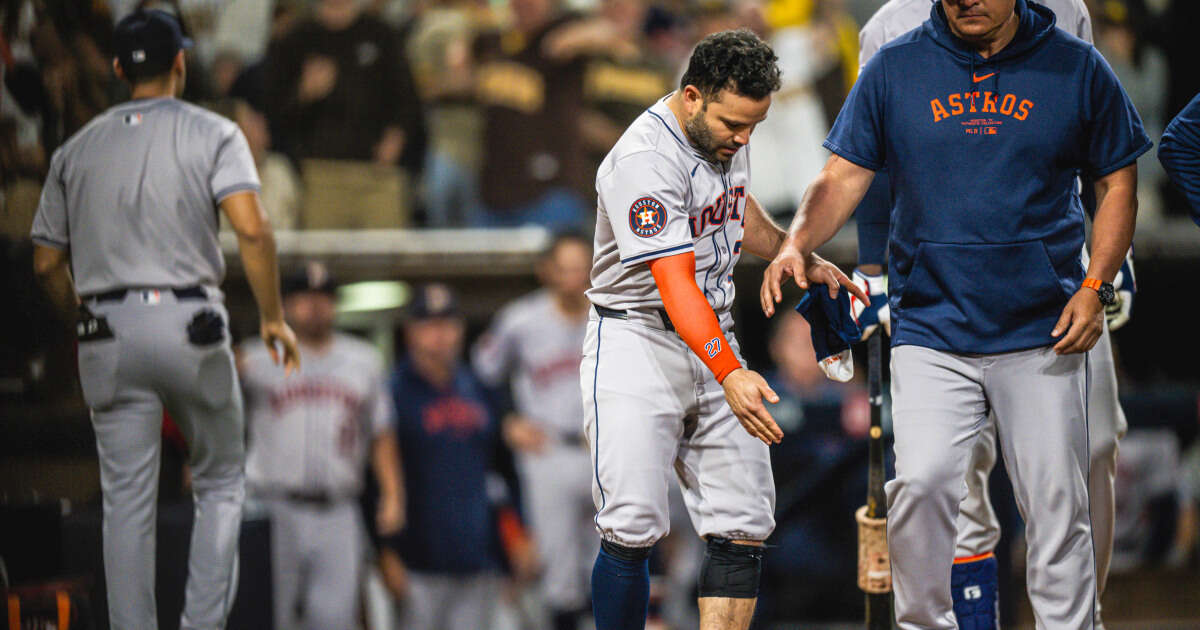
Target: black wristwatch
[1108, 295]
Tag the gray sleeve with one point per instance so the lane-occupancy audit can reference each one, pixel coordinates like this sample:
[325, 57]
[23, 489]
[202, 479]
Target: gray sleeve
[50, 225]
[1083, 23]
[233, 169]
[493, 353]
[870, 39]
[380, 410]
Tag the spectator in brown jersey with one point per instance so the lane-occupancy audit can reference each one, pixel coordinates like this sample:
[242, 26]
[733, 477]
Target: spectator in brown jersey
[530, 83]
[339, 88]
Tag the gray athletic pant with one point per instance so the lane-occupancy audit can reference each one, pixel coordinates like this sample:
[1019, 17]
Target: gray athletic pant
[557, 485]
[978, 529]
[941, 402]
[449, 602]
[316, 563]
[126, 382]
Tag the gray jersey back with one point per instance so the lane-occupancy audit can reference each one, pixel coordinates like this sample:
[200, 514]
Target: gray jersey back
[898, 17]
[658, 197]
[133, 195]
[541, 349]
[310, 432]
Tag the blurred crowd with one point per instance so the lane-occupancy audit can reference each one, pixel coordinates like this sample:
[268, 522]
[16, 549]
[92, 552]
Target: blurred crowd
[464, 113]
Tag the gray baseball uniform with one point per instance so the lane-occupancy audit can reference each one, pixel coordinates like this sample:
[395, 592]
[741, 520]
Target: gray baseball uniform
[132, 196]
[978, 529]
[537, 344]
[309, 437]
[650, 405]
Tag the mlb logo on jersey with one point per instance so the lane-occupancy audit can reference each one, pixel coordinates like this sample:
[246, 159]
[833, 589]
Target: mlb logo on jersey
[647, 217]
[133, 119]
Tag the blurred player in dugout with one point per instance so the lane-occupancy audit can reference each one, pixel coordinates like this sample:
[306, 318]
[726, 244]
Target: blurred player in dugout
[537, 342]
[309, 439]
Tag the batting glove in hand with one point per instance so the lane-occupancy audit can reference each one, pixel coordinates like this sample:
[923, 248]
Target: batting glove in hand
[870, 318]
[1126, 286]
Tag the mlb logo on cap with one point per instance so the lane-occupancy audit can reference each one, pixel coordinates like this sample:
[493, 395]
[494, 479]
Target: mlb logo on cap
[146, 42]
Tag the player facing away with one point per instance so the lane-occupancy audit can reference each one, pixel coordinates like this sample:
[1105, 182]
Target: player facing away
[992, 309]
[974, 576]
[126, 232]
[664, 389]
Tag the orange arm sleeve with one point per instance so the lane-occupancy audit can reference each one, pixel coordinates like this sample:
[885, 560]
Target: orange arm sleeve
[692, 315]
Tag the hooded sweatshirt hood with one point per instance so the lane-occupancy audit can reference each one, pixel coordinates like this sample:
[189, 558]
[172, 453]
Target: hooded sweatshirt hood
[986, 226]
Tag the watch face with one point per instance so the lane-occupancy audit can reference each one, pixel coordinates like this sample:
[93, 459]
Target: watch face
[1108, 295]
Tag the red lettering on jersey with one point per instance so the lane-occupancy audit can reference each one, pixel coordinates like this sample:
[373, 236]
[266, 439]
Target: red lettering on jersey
[939, 112]
[453, 415]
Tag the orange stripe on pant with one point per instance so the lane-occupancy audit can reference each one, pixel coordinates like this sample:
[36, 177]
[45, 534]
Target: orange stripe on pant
[976, 558]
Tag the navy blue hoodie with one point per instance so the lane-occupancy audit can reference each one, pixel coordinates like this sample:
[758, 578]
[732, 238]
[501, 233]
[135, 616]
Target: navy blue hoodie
[987, 228]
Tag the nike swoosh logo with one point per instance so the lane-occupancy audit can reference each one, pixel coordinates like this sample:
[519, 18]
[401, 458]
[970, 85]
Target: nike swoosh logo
[977, 79]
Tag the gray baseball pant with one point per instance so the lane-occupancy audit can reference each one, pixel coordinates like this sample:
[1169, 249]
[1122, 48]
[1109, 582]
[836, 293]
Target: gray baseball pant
[978, 529]
[450, 602]
[316, 564]
[941, 403]
[557, 486]
[126, 382]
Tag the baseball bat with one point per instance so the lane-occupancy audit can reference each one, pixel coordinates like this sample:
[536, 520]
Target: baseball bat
[879, 605]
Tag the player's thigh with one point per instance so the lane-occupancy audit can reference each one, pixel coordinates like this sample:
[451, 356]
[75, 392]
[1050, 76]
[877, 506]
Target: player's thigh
[1040, 402]
[475, 602]
[938, 411]
[428, 602]
[978, 529]
[331, 598]
[725, 473]
[202, 394]
[287, 558]
[636, 383]
[1106, 420]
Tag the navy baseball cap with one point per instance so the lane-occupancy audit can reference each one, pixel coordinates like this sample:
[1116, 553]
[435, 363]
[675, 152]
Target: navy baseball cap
[146, 42]
[432, 301]
[313, 276]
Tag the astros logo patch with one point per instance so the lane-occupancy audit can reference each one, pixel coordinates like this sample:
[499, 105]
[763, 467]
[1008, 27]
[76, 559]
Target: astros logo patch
[647, 217]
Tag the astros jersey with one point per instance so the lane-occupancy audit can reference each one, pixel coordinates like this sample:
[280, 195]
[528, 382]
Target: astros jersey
[658, 197]
[156, 170]
[544, 347]
[310, 432]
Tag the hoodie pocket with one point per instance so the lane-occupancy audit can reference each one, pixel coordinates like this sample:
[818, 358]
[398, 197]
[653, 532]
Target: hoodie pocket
[983, 291]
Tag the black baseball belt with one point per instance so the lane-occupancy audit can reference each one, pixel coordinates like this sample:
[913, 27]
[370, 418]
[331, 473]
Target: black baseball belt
[181, 293]
[604, 311]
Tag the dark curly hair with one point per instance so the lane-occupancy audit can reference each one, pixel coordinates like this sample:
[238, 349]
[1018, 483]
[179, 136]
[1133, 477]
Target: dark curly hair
[737, 60]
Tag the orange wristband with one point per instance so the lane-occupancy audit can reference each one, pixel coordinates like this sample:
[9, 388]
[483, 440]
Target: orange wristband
[691, 313]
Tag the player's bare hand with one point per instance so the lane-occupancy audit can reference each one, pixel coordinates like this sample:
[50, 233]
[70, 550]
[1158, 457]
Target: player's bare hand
[278, 332]
[395, 574]
[745, 391]
[390, 517]
[804, 269]
[522, 434]
[1081, 323]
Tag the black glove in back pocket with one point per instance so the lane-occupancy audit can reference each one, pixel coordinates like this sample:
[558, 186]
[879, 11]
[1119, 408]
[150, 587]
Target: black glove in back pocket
[206, 328]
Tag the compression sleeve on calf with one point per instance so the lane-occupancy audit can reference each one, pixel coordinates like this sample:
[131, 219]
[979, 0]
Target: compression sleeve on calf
[691, 314]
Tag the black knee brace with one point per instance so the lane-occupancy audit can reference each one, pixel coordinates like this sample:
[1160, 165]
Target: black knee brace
[627, 554]
[730, 569]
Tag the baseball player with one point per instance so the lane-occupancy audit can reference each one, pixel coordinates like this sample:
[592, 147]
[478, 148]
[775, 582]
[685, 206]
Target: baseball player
[991, 308]
[538, 339]
[1179, 153]
[127, 230]
[663, 385]
[309, 437]
[974, 574]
